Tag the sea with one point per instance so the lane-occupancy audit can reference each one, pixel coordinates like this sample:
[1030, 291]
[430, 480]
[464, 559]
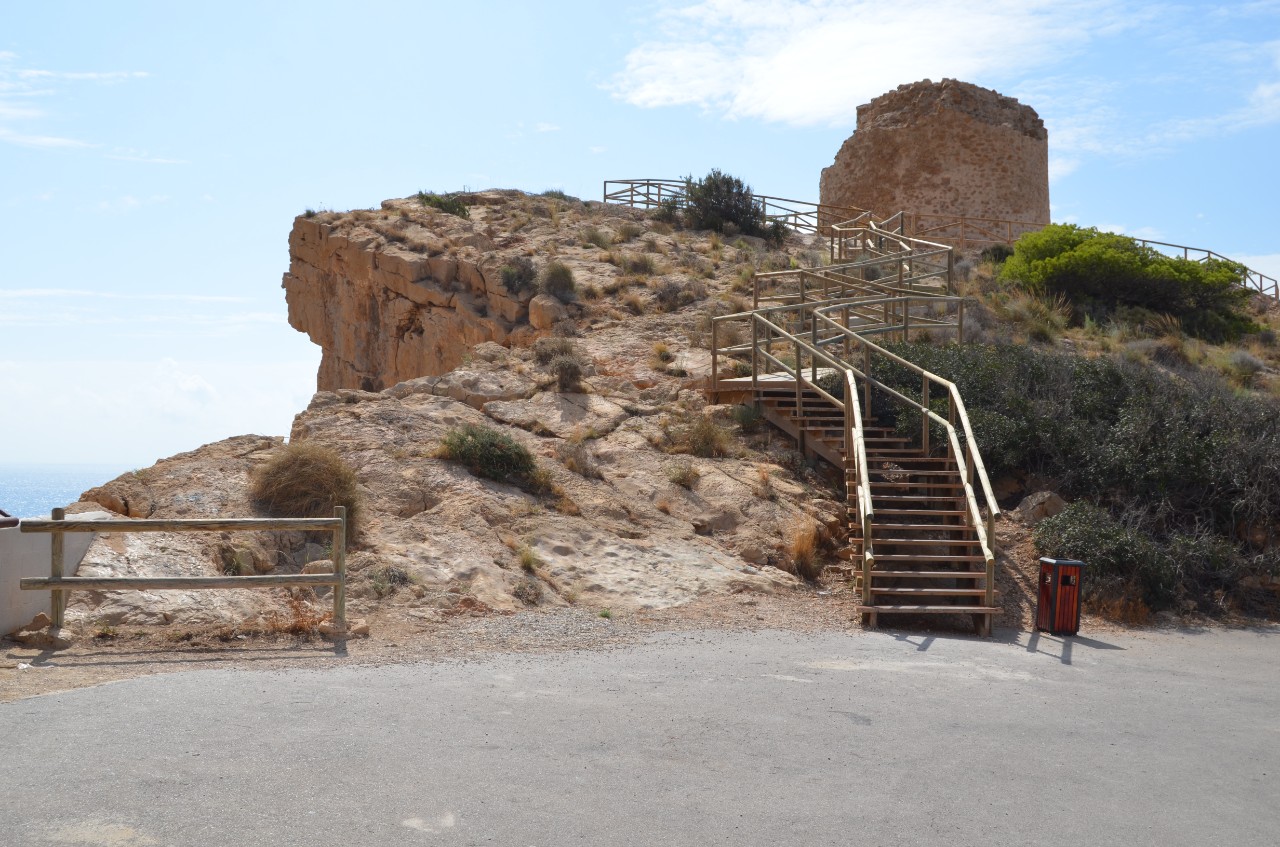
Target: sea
[32, 490]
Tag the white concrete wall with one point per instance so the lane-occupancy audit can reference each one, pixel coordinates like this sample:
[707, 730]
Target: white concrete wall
[24, 554]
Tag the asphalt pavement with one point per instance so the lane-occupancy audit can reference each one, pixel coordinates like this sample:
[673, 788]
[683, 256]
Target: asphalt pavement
[1166, 738]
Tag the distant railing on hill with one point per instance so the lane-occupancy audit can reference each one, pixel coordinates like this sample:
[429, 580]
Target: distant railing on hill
[799, 215]
[1254, 280]
[959, 231]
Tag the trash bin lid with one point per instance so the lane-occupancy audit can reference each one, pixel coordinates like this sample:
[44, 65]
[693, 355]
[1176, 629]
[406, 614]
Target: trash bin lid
[1049, 561]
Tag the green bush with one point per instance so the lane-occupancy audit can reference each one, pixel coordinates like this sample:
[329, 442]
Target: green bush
[557, 280]
[1189, 464]
[518, 274]
[1099, 273]
[489, 453]
[448, 203]
[719, 201]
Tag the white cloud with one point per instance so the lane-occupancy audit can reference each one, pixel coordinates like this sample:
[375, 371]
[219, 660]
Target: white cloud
[545, 127]
[810, 62]
[596, 150]
[86, 76]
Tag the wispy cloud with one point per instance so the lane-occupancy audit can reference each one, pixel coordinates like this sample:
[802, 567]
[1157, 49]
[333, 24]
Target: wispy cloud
[84, 293]
[19, 86]
[808, 62]
[545, 127]
[47, 141]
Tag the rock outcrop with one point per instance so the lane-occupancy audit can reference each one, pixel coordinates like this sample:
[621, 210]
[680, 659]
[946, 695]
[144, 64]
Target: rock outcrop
[945, 149]
[402, 292]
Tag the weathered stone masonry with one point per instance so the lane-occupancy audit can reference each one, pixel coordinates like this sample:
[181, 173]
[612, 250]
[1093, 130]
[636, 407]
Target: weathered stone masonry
[947, 148]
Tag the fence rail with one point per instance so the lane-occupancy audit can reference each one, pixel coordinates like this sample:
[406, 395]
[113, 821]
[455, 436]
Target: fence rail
[60, 585]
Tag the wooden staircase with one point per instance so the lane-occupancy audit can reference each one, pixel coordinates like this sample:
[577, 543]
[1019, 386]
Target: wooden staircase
[927, 559]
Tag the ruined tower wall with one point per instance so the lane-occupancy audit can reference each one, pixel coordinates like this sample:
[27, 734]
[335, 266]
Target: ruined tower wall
[947, 148]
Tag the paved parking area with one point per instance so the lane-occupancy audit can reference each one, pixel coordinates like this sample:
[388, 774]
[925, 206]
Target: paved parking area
[766, 738]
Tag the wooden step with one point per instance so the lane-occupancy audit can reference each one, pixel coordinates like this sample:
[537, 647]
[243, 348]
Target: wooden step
[931, 574]
[926, 558]
[932, 610]
[922, 512]
[933, 527]
[949, 542]
[930, 592]
[924, 484]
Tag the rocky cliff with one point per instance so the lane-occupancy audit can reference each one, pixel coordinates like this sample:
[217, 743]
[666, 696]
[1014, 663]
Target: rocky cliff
[420, 335]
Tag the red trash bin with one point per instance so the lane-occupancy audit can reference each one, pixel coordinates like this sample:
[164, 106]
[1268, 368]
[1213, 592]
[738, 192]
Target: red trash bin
[1058, 603]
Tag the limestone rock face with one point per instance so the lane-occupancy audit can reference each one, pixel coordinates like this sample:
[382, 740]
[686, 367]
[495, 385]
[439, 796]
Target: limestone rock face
[944, 149]
[398, 293]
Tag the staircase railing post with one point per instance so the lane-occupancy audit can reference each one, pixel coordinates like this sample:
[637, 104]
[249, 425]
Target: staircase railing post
[906, 321]
[799, 376]
[924, 401]
[960, 323]
[755, 358]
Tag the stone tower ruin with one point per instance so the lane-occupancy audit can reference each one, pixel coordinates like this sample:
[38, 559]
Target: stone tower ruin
[944, 149]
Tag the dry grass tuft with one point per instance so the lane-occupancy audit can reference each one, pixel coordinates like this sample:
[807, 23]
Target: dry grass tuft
[306, 480]
[802, 548]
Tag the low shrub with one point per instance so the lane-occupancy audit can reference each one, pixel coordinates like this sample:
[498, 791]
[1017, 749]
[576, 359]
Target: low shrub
[519, 274]
[550, 347]
[579, 458]
[557, 194]
[628, 230]
[591, 235]
[1173, 458]
[567, 370]
[447, 203]
[749, 418]
[489, 453]
[702, 437]
[641, 264]
[305, 480]
[683, 474]
[557, 280]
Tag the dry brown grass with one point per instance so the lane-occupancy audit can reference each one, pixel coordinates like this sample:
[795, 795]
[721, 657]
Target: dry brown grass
[802, 548]
[306, 480]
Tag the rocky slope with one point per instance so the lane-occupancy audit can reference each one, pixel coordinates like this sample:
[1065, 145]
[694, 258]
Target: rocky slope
[410, 301]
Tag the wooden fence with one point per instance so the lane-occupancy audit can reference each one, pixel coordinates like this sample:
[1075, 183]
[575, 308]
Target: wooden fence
[60, 585]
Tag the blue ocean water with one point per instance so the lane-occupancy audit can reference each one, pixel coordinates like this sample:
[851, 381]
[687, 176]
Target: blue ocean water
[31, 490]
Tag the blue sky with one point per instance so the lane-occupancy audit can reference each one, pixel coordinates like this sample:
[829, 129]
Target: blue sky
[153, 155]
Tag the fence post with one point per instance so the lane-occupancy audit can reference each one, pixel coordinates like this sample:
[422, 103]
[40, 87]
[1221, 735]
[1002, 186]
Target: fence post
[906, 320]
[340, 570]
[57, 597]
[715, 364]
[960, 323]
